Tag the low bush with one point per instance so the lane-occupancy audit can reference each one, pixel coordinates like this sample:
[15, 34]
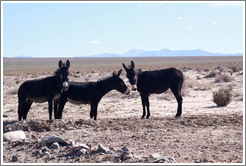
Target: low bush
[235, 69]
[223, 78]
[222, 97]
[212, 74]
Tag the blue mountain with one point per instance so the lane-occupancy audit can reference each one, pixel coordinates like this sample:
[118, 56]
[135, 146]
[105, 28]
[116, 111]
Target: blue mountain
[165, 53]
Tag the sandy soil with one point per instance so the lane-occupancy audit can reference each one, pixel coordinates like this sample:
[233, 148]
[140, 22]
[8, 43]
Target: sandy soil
[204, 133]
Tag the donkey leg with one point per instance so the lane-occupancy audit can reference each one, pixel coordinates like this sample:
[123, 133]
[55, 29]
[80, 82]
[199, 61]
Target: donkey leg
[50, 108]
[94, 110]
[91, 112]
[61, 105]
[56, 102]
[27, 108]
[21, 108]
[143, 98]
[177, 94]
[147, 104]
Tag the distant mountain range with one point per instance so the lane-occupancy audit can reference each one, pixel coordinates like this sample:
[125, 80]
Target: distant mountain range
[157, 53]
[165, 53]
[23, 56]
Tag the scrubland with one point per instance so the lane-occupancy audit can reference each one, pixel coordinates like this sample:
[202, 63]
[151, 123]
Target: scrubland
[204, 132]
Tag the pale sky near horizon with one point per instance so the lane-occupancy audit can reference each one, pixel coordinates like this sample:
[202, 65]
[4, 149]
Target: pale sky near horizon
[84, 29]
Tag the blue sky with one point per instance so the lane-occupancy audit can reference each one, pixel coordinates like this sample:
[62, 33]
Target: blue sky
[84, 29]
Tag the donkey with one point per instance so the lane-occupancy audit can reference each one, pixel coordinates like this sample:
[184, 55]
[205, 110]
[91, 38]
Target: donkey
[42, 90]
[91, 92]
[158, 81]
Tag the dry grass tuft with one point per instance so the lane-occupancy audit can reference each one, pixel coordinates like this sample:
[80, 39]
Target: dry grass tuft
[223, 78]
[235, 69]
[212, 74]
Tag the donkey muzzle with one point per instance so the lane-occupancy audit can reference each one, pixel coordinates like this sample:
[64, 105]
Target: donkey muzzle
[134, 87]
[65, 86]
[127, 92]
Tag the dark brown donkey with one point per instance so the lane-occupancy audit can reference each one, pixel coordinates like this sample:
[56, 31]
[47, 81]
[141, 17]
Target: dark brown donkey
[42, 90]
[91, 92]
[158, 81]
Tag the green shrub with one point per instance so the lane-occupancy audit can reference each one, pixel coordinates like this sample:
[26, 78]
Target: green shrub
[222, 97]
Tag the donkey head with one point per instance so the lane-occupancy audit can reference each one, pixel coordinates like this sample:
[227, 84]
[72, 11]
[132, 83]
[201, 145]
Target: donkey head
[131, 74]
[119, 83]
[62, 73]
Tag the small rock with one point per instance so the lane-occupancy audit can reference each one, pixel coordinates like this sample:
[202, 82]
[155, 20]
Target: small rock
[46, 153]
[161, 160]
[73, 151]
[14, 158]
[137, 156]
[155, 155]
[21, 149]
[83, 146]
[111, 148]
[77, 75]
[117, 160]
[71, 142]
[14, 136]
[55, 145]
[199, 161]
[103, 149]
[77, 151]
[17, 143]
[125, 156]
[44, 149]
[34, 137]
[171, 160]
[125, 149]
[36, 153]
[47, 141]
[89, 145]
[80, 152]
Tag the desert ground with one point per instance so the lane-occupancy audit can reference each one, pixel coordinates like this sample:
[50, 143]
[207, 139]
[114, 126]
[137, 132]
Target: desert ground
[205, 133]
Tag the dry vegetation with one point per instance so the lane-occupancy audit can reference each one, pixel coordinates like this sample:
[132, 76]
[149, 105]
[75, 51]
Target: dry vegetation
[204, 133]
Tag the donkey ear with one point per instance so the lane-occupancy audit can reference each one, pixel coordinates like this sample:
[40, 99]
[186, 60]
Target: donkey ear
[68, 63]
[119, 72]
[60, 64]
[114, 73]
[132, 65]
[124, 66]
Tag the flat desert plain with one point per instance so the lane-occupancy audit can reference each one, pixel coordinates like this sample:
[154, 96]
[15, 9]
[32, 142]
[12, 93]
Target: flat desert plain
[205, 133]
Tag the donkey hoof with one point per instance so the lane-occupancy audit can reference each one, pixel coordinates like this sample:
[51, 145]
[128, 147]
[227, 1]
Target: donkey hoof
[142, 117]
[147, 117]
[177, 116]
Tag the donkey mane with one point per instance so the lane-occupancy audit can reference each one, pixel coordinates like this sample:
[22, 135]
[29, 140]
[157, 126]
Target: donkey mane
[104, 79]
[57, 72]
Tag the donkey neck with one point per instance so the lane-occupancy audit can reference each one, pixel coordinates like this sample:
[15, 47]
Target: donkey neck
[57, 82]
[104, 86]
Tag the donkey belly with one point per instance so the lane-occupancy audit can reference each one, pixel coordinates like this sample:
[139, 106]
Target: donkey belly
[152, 89]
[41, 99]
[78, 101]
[159, 91]
[38, 99]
